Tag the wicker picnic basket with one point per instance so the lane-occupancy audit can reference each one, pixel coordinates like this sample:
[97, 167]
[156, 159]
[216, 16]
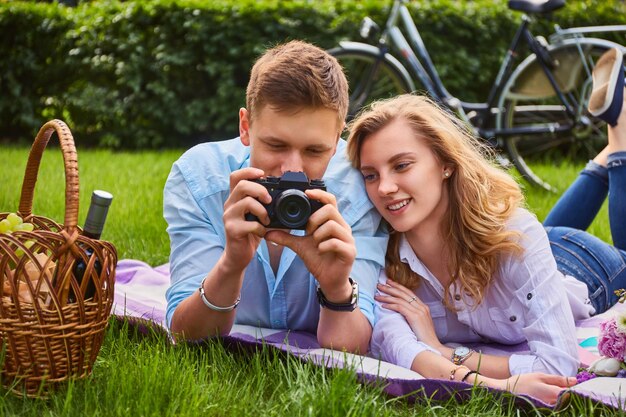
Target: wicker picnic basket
[49, 331]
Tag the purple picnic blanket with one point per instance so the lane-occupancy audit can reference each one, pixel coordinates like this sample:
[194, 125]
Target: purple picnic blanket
[140, 297]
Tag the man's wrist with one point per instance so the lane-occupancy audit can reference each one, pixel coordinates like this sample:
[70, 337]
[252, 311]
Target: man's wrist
[227, 267]
[341, 294]
[349, 305]
[220, 290]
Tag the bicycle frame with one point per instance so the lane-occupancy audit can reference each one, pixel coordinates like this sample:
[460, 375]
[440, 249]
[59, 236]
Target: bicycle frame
[479, 115]
[579, 32]
[428, 76]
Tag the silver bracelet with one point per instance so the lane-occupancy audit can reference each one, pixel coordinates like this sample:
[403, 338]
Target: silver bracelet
[213, 306]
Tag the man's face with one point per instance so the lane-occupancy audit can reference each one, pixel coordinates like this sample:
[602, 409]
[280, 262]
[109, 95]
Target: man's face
[284, 141]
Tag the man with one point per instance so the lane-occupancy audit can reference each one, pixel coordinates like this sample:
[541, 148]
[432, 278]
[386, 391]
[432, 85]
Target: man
[227, 268]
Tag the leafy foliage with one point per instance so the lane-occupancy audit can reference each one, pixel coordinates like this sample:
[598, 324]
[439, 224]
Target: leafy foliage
[146, 74]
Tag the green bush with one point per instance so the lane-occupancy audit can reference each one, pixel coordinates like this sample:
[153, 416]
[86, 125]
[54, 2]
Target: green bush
[33, 70]
[139, 74]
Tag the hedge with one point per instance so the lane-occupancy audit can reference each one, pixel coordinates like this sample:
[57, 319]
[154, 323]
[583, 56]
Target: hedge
[146, 74]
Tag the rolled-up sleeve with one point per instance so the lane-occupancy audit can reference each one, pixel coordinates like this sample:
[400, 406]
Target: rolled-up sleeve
[393, 340]
[549, 324]
[195, 246]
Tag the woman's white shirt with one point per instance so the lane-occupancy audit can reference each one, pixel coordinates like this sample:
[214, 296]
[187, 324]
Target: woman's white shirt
[528, 300]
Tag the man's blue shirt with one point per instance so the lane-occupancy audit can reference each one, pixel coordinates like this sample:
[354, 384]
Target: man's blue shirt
[194, 196]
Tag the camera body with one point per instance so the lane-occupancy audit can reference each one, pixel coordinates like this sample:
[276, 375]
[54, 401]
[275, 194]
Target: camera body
[290, 207]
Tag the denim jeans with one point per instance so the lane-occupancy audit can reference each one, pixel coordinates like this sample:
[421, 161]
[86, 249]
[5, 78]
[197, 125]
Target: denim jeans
[585, 257]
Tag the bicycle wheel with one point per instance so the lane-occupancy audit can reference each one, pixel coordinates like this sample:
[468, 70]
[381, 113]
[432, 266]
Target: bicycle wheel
[530, 102]
[369, 77]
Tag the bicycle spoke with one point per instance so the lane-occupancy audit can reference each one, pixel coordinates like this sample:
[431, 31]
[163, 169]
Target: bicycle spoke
[528, 107]
[539, 146]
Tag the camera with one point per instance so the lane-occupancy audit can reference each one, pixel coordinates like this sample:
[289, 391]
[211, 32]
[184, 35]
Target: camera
[290, 207]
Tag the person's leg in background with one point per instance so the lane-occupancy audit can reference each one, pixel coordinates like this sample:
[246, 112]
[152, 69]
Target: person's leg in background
[580, 203]
[596, 263]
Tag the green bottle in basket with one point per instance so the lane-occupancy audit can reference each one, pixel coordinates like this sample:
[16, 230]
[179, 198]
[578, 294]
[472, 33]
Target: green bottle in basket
[94, 224]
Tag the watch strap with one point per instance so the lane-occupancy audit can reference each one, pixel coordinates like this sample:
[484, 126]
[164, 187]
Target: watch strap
[459, 359]
[349, 306]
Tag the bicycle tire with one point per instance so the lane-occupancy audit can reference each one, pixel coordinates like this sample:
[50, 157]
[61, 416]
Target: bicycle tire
[529, 100]
[370, 78]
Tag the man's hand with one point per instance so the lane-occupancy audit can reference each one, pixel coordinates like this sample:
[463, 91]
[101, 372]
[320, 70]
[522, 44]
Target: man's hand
[192, 319]
[243, 236]
[328, 249]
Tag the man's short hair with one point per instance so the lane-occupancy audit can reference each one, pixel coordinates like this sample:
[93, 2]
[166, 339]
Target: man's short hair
[296, 75]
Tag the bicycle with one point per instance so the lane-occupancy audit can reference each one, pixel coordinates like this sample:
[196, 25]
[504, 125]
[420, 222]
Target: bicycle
[532, 108]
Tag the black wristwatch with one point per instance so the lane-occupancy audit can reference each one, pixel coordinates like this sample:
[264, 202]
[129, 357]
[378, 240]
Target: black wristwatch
[354, 299]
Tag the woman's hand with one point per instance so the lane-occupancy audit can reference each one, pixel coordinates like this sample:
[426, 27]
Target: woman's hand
[402, 300]
[544, 387]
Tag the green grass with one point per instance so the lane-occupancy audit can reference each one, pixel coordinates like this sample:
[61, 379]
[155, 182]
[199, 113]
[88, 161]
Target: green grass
[135, 223]
[145, 376]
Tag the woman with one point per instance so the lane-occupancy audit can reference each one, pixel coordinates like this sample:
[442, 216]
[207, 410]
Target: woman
[466, 263]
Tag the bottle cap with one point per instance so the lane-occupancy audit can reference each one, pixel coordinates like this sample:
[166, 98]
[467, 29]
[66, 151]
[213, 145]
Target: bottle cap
[98, 209]
[101, 198]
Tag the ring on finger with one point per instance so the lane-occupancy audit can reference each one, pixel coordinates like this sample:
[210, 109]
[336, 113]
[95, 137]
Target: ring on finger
[410, 300]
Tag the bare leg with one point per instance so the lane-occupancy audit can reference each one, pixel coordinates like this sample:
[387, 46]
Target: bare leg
[617, 139]
[600, 158]
[617, 133]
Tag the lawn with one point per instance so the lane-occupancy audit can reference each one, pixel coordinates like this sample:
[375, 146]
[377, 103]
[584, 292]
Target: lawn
[145, 376]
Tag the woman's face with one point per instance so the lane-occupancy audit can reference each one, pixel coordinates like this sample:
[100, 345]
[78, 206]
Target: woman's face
[403, 178]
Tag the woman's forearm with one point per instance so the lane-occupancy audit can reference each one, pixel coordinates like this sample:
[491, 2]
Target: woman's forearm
[489, 365]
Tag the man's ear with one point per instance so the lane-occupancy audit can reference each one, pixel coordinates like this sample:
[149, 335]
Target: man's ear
[336, 143]
[244, 126]
[343, 128]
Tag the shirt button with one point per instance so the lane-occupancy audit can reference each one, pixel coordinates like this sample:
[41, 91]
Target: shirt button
[457, 297]
[529, 296]
[512, 318]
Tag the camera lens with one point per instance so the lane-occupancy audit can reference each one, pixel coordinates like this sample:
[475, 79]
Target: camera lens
[292, 209]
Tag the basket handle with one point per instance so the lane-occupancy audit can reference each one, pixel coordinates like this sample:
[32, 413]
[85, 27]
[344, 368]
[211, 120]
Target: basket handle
[70, 159]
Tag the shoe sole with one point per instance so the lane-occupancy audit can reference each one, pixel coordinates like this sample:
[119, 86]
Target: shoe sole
[605, 74]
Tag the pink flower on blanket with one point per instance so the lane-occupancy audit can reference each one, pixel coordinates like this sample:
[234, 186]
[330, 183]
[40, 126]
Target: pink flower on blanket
[612, 341]
[583, 376]
[620, 322]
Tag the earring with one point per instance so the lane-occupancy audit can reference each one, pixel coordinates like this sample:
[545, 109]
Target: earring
[446, 174]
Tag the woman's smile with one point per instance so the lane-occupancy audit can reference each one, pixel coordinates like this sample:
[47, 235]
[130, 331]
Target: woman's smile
[397, 206]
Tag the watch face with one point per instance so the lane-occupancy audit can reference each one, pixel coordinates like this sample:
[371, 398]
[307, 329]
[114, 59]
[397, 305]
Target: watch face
[461, 351]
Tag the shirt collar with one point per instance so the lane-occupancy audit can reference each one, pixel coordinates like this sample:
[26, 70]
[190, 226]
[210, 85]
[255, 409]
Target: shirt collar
[407, 255]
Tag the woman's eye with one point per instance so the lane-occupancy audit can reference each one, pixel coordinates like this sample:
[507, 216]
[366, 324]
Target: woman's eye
[402, 165]
[369, 177]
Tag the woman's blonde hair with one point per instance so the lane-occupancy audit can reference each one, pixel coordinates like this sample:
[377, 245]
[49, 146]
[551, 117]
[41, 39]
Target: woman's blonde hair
[482, 197]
